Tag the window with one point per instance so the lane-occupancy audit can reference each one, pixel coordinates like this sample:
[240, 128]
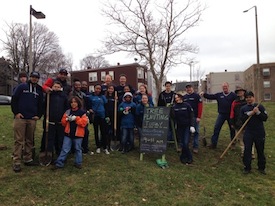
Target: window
[91, 88]
[140, 73]
[266, 72]
[92, 76]
[266, 84]
[103, 74]
[111, 73]
[267, 96]
[237, 77]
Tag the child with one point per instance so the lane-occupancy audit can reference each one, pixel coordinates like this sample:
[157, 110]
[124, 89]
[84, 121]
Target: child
[127, 111]
[74, 120]
[58, 104]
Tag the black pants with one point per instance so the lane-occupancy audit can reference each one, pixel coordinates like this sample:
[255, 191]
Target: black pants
[258, 137]
[85, 142]
[100, 123]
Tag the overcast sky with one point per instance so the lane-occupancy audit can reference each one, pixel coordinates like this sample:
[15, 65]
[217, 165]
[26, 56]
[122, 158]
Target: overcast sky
[226, 36]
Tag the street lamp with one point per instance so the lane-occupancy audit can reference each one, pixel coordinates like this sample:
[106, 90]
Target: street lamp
[38, 15]
[190, 64]
[258, 55]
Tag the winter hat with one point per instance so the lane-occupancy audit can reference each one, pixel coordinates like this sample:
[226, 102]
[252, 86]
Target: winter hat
[35, 74]
[127, 94]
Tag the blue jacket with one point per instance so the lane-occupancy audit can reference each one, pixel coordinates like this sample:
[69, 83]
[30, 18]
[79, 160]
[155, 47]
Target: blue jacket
[97, 103]
[127, 120]
[27, 99]
[183, 114]
[138, 97]
[224, 101]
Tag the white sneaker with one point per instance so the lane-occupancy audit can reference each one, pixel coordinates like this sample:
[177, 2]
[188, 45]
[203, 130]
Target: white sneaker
[106, 151]
[92, 153]
[98, 150]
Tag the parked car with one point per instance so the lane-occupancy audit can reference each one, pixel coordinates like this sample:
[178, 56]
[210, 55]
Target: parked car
[5, 99]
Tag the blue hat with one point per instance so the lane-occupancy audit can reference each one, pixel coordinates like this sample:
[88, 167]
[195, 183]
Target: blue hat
[35, 74]
[249, 94]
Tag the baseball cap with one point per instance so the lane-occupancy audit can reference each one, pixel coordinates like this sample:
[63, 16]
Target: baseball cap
[188, 85]
[63, 71]
[249, 93]
[239, 89]
[35, 74]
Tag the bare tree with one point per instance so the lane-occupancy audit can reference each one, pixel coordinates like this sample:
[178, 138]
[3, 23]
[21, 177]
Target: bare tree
[93, 62]
[47, 54]
[153, 30]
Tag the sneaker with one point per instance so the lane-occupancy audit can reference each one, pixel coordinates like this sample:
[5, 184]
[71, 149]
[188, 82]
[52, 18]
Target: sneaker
[16, 168]
[195, 151]
[78, 166]
[106, 151]
[253, 156]
[98, 150]
[262, 171]
[55, 167]
[92, 153]
[245, 172]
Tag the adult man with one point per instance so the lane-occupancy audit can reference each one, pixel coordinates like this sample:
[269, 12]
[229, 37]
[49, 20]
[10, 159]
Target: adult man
[235, 119]
[122, 84]
[108, 81]
[27, 100]
[62, 78]
[224, 99]
[84, 88]
[254, 132]
[195, 101]
[166, 99]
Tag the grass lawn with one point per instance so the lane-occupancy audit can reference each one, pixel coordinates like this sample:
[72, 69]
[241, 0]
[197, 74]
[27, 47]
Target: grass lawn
[118, 179]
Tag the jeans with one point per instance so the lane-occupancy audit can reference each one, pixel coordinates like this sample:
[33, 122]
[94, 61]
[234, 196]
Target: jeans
[184, 135]
[66, 148]
[259, 139]
[127, 136]
[196, 135]
[218, 125]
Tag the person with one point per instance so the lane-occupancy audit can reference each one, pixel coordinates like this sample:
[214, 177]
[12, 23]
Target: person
[58, 104]
[85, 88]
[62, 78]
[224, 99]
[254, 132]
[23, 77]
[108, 81]
[110, 114]
[120, 88]
[195, 101]
[140, 113]
[143, 90]
[126, 110]
[97, 104]
[166, 97]
[235, 120]
[183, 114]
[26, 105]
[74, 120]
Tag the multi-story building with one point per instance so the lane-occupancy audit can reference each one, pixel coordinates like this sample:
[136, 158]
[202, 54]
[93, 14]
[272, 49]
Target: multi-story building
[214, 80]
[136, 75]
[261, 81]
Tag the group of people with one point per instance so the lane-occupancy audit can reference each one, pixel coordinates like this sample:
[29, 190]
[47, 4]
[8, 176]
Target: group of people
[115, 112]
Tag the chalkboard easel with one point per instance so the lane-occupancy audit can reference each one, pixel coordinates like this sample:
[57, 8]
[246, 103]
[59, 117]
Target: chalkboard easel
[154, 131]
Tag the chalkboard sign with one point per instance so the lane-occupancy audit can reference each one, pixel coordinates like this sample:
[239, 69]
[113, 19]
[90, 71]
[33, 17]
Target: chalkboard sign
[154, 129]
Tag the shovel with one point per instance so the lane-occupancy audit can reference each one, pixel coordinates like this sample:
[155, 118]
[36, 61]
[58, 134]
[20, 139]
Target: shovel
[46, 157]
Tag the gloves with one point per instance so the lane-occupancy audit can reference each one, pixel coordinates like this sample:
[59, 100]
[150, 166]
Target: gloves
[250, 113]
[107, 119]
[71, 118]
[192, 130]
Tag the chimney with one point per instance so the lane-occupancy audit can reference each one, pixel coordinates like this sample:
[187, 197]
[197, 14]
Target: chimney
[225, 70]
[118, 64]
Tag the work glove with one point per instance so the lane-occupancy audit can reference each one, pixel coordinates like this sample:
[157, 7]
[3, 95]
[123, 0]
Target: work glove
[73, 117]
[107, 119]
[250, 113]
[192, 130]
